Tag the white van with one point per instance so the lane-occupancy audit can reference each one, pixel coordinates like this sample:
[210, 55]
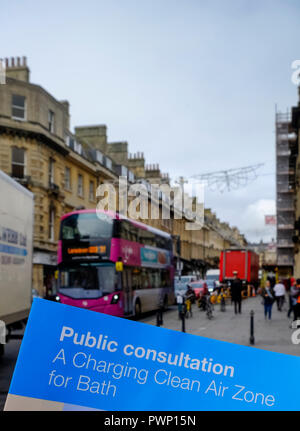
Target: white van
[212, 278]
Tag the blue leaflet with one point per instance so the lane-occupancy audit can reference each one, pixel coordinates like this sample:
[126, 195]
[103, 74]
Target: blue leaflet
[79, 357]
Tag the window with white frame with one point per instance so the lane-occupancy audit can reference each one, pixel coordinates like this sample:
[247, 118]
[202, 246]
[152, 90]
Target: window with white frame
[77, 147]
[92, 191]
[80, 185]
[99, 156]
[18, 162]
[51, 223]
[131, 176]
[124, 171]
[108, 163]
[67, 178]
[51, 121]
[18, 107]
[51, 171]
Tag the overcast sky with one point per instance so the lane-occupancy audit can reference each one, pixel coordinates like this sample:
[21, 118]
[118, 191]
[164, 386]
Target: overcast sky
[193, 84]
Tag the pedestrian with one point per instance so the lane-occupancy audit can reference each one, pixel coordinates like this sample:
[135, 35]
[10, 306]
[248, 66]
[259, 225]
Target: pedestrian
[279, 290]
[190, 293]
[268, 299]
[189, 299]
[297, 300]
[293, 294]
[236, 293]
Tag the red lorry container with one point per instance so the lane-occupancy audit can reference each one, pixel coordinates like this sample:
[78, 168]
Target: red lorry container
[245, 262]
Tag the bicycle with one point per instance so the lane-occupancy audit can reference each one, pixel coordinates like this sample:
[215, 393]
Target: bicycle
[188, 308]
[209, 308]
[201, 303]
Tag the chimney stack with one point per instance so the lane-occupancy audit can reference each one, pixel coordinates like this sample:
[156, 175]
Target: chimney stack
[17, 68]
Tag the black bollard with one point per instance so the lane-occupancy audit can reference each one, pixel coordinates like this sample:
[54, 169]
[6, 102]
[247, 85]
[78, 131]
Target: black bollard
[159, 317]
[183, 321]
[252, 341]
[222, 303]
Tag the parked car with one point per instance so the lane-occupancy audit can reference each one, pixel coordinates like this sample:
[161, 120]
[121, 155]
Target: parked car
[211, 284]
[181, 283]
[199, 287]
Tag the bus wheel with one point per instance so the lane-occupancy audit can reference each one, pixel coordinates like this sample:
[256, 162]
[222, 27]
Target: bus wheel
[137, 309]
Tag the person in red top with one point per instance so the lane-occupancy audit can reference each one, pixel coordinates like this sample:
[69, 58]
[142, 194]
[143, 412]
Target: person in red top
[205, 289]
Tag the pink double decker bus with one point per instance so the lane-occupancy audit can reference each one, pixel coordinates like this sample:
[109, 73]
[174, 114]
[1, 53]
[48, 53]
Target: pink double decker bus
[91, 248]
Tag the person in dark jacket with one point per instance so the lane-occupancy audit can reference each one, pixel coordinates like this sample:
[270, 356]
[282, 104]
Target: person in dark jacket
[268, 299]
[293, 296]
[297, 302]
[236, 292]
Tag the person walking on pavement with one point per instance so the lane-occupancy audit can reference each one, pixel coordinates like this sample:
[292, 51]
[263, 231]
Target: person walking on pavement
[236, 293]
[293, 295]
[268, 299]
[189, 299]
[297, 301]
[279, 290]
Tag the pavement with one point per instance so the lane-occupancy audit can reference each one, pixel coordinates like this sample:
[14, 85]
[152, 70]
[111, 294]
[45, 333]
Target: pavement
[7, 365]
[274, 334]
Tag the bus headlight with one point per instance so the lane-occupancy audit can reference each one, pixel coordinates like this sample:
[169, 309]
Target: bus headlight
[115, 298]
[57, 298]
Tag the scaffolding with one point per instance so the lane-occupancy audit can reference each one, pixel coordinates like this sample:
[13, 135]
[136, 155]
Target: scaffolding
[285, 189]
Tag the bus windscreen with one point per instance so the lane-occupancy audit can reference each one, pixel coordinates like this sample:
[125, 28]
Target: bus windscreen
[85, 226]
[88, 281]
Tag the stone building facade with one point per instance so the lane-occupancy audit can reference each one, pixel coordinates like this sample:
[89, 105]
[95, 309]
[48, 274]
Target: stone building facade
[295, 146]
[63, 170]
[39, 151]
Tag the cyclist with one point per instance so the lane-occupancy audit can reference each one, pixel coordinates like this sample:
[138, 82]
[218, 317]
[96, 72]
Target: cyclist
[222, 300]
[209, 307]
[202, 297]
[189, 299]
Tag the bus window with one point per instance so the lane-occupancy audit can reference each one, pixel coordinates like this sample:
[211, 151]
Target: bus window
[147, 238]
[154, 276]
[89, 281]
[165, 278]
[145, 280]
[136, 279]
[86, 225]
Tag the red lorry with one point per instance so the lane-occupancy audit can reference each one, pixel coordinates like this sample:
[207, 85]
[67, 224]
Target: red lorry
[245, 262]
